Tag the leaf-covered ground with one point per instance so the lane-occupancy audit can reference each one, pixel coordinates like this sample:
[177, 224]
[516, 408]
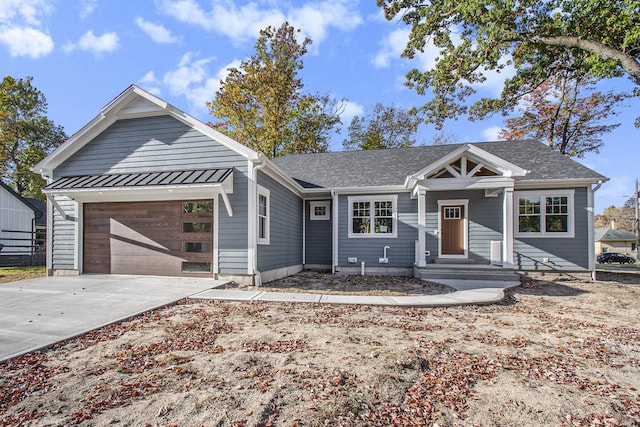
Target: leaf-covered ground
[564, 353]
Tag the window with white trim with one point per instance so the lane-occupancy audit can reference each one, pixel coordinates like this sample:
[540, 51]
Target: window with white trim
[546, 213]
[263, 216]
[319, 211]
[373, 216]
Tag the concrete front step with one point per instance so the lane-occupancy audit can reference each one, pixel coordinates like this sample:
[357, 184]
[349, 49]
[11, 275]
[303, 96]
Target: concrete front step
[467, 273]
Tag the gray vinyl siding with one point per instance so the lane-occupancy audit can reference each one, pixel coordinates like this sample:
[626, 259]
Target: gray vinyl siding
[401, 252]
[485, 222]
[563, 253]
[160, 144]
[233, 231]
[285, 214]
[63, 244]
[318, 235]
[147, 145]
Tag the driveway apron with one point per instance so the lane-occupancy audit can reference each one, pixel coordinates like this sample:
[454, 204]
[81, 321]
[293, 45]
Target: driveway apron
[39, 312]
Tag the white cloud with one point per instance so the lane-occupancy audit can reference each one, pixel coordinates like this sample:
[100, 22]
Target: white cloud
[495, 79]
[491, 133]
[20, 32]
[351, 109]
[158, 33]
[23, 11]
[150, 83]
[392, 46]
[108, 42]
[190, 79]
[245, 22]
[26, 42]
[87, 7]
[394, 43]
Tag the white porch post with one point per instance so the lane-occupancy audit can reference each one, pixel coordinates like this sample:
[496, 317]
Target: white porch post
[507, 229]
[422, 221]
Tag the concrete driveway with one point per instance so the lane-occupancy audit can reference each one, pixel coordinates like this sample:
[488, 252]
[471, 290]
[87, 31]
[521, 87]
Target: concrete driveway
[39, 312]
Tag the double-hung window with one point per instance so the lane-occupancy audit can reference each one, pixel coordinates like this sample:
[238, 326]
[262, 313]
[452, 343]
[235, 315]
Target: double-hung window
[546, 213]
[263, 216]
[373, 216]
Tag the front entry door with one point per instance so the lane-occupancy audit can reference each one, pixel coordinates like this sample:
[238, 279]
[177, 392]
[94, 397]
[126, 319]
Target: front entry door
[452, 230]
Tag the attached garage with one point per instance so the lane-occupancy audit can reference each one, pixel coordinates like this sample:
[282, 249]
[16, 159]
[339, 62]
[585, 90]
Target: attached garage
[148, 223]
[167, 238]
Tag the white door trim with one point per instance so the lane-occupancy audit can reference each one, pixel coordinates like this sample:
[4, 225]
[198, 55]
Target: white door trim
[454, 202]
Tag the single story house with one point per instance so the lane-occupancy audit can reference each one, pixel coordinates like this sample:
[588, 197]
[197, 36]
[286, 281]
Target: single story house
[146, 189]
[18, 224]
[609, 239]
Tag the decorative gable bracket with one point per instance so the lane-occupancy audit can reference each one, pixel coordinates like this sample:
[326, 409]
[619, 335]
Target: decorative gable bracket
[467, 167]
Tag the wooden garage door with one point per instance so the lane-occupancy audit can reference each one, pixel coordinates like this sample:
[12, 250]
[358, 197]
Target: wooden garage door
[172, 238]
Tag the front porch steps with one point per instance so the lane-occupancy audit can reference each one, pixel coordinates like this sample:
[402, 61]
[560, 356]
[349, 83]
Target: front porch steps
[460, 271]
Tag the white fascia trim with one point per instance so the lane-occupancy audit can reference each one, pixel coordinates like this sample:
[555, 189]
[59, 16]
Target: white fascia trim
[467, 183]
[371, 190]
[279, 176]
[557, 183]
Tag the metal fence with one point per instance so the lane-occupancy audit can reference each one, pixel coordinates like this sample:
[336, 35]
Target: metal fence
[22, 248]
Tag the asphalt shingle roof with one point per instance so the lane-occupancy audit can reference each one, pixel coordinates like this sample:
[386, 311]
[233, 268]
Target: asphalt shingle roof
[391, 167]
[611, 235]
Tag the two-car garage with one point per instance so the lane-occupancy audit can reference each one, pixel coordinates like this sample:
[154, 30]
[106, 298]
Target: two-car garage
[164, 238]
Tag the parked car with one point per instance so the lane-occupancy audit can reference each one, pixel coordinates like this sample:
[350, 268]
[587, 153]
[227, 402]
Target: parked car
[610, 257]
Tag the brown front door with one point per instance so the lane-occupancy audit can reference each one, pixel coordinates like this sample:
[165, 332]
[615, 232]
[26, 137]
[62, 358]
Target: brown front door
[452, 230]
[170, 238]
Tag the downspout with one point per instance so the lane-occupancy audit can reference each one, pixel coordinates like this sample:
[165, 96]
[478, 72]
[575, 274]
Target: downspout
[334, 232]
[591, 225]
[254, 227]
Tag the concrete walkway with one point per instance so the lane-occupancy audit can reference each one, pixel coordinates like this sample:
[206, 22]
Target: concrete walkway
[39, 312]
[467, 292]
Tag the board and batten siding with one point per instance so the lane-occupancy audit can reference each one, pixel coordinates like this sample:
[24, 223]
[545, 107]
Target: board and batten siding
[285, 214]
[163, 143]
[14, 216]
[564, 253]
[485, 222]
[401, 252]
[318, 236]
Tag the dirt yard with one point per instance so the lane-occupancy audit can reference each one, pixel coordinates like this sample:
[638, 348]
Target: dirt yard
[564, 353]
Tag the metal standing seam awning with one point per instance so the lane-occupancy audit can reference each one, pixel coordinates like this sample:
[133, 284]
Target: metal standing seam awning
[157, 185]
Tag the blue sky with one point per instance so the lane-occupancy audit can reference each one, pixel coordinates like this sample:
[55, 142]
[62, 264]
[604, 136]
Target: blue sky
[83, 53]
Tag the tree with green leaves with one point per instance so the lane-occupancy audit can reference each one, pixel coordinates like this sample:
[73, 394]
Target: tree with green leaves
[381, 128]
[567, 113]
[26, 135]
[262, 105]
[537, 38]
[624, 216]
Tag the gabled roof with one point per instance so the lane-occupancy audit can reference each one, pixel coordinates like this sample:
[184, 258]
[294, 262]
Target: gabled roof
[607, 234]
[391, 167]
[23, 200]
[132, 103]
